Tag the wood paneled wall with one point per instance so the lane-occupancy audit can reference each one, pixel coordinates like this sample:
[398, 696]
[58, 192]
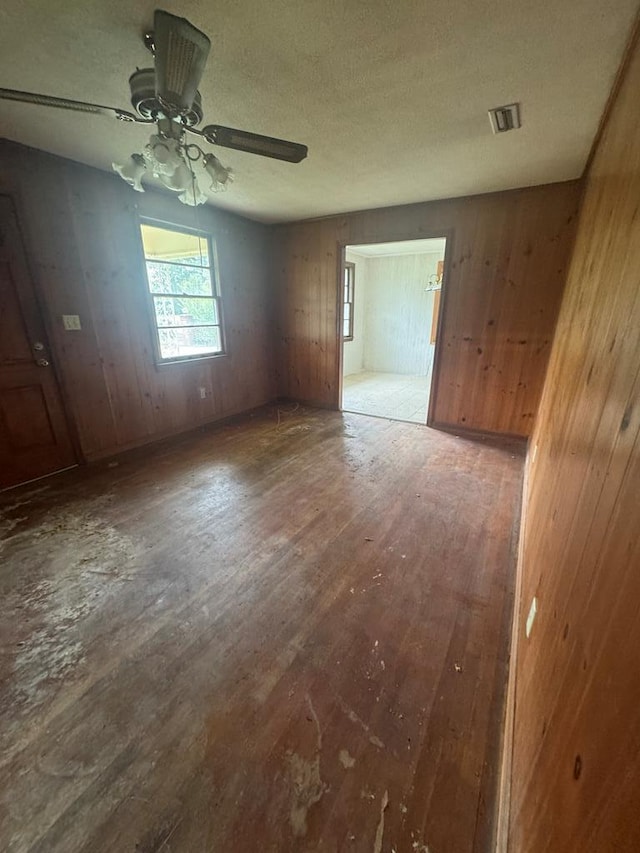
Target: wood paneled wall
[507, 259]
[576, 761]
[81, 231]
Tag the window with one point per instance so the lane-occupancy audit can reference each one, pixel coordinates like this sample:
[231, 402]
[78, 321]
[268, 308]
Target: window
[184, 292]
[347, 316]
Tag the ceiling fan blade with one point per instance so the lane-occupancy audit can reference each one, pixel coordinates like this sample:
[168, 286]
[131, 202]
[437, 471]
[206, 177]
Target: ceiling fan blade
[181, 53]
[67, 104]
[254, 143]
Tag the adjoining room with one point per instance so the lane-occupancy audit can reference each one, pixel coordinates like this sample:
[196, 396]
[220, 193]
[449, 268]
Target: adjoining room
[392, 297]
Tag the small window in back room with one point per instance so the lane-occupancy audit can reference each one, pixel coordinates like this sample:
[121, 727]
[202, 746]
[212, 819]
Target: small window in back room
[349, 294]
[184, 294]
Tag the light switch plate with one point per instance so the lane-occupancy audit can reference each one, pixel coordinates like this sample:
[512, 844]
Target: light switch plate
[71, 322]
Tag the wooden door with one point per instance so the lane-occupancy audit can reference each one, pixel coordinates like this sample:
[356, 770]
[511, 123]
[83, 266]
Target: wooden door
[34, 437]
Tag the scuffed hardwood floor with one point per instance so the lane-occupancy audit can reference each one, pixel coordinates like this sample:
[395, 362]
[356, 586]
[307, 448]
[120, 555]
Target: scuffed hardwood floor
[256, 637]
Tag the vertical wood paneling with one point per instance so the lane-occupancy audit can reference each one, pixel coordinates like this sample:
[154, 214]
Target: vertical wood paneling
[508, 257]
[81, 230]
[576, 770]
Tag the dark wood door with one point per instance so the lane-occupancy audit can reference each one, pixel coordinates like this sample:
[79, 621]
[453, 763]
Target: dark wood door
[34, 437]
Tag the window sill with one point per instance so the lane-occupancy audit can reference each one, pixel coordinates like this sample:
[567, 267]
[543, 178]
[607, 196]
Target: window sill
[170, 362]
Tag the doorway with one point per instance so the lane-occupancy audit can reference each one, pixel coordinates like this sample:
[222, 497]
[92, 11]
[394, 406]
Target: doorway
[391, 306]
[34, 437]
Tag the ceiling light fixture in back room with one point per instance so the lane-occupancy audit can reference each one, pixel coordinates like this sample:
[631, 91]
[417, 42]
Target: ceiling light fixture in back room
[167, 96]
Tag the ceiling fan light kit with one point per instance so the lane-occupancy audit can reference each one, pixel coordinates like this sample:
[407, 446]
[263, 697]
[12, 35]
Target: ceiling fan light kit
[169, 158]
[167, 96]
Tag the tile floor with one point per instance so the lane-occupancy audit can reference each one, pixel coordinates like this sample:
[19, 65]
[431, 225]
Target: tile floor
[387, 395]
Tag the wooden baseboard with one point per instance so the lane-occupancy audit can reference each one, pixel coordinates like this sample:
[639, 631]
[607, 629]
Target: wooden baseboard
[176, 434]
[480, 434]
[311, 404]
[501, 844]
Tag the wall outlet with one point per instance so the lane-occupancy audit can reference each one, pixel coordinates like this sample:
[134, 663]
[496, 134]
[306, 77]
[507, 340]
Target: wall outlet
[531, 617]
[71, 322]
[203, 392]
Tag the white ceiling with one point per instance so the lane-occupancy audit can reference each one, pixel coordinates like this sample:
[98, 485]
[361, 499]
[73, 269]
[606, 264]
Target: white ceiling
[391, 96]
[402, 247]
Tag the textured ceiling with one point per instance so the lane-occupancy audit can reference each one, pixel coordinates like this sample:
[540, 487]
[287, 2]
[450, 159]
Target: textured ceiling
[391, 96]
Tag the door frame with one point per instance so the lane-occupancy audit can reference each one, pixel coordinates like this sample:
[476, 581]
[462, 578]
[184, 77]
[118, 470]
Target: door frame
[10, 188]
[436, 234]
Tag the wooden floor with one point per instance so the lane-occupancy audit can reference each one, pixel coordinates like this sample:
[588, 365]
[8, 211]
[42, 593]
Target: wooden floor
[286, 634]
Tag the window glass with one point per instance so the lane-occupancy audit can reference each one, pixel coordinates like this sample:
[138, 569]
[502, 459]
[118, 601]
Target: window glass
[183, 293]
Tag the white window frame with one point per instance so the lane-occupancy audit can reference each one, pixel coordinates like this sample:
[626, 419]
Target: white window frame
[215, 293]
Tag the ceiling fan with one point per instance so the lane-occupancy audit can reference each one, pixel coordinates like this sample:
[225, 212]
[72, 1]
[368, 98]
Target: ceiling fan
[167, 96]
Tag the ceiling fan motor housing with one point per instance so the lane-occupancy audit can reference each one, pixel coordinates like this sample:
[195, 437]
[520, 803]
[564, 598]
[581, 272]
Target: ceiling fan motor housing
[143, 98]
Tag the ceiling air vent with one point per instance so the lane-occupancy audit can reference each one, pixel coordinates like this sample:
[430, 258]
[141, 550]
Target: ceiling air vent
[505, 118]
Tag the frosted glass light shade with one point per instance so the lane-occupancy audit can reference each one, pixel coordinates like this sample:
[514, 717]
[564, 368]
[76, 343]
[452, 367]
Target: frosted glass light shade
[132, 171]
[219, 174]
[163, 155]
[193, 195]
[180, 180]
